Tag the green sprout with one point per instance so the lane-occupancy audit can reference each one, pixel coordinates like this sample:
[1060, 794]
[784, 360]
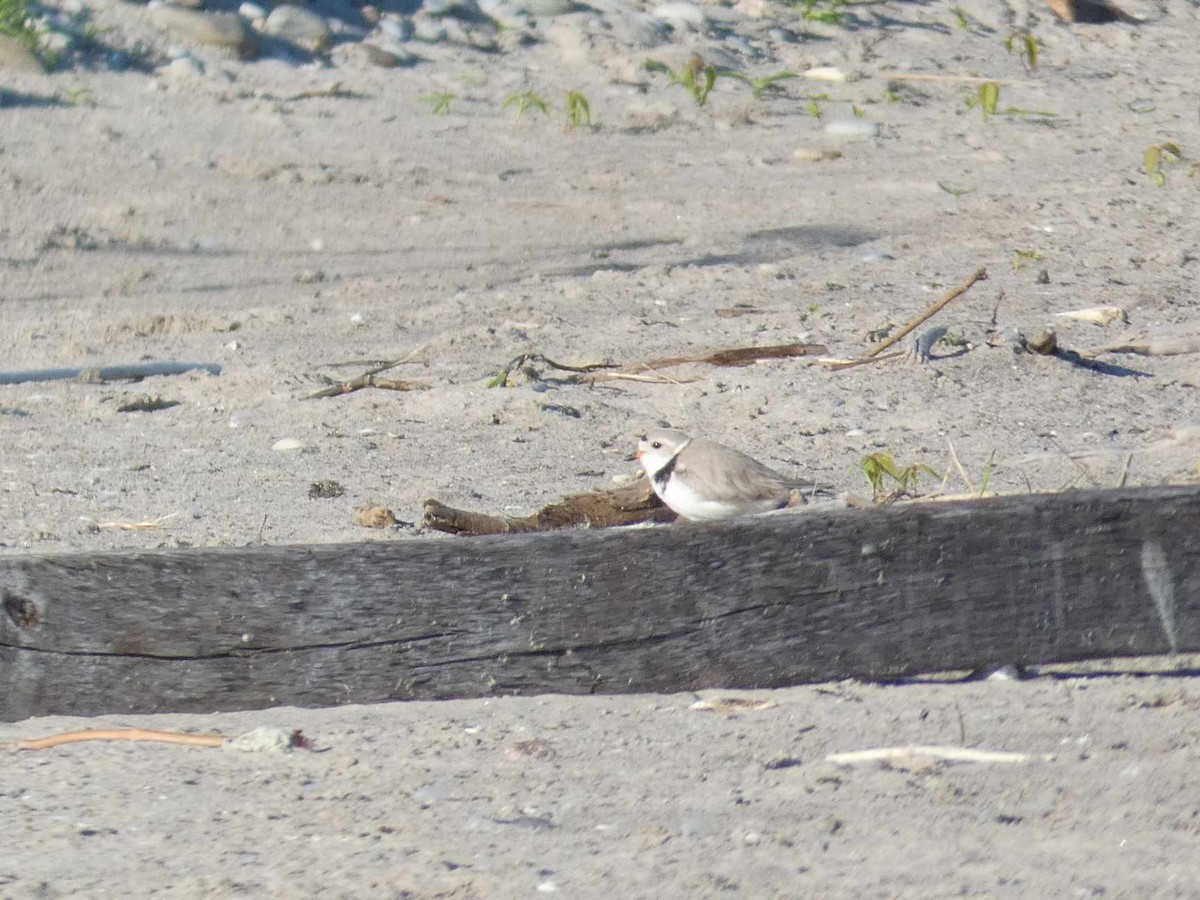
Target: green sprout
[578, 111]
[813, 109]
[77, 96]
[827, 11]
[1026, 45]
[986, 98]
[986, 478]
[961, 19]
[439, 102]
[877, 468]
[525, 101]
[1157, 157]
[760, 86]
[955, 192]
[14, 23]
[1023, 258]
[696, 76]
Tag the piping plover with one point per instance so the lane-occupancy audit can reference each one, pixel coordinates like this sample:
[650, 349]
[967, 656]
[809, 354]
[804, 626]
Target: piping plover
[705, 481]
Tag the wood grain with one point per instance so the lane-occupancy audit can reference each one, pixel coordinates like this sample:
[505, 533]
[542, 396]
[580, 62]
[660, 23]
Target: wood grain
[760, 602]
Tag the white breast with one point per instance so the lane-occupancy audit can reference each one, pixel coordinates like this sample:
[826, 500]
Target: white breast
[691, 505]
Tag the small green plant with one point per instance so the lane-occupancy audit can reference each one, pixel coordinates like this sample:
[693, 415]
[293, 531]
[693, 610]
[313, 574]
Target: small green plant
[77, 96]
[760, 86]
[955, 192]
[827, 11]
[986, 98]
[525, 101]
[986, 478]
[1024, 258]
[858, 111]
[1157, 157]
[961, 19]
[879, 467]
[890, 96]
[14, 22]
[813, 108]
[578, 111]
[696, 76]
[1026, 46]
[439, 102]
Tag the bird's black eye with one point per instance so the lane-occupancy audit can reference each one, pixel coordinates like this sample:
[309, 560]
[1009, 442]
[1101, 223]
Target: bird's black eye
[657, 445]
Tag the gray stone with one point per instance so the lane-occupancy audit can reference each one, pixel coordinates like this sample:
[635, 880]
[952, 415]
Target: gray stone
[385, 59]
[681, 16]
[299, 26]
[214, 29]
[16, 57]
[460, 9]
[546, 8]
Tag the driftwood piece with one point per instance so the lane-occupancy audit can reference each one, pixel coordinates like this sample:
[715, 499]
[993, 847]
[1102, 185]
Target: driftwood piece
[755, 603]
[94, 374]
[593, 372]
[630, 505]
[1160, 346]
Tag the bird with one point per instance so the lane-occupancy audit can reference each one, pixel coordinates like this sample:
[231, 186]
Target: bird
[705, 481]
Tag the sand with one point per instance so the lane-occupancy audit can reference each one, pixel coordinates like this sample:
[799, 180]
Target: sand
[290, 220]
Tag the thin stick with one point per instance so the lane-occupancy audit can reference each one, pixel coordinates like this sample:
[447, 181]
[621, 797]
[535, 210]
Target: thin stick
[928, 313]
[138, 526]
[958, 466]
[116, 734]
[965, 79]
[951, 754]
[835, 365]
[1125, 469]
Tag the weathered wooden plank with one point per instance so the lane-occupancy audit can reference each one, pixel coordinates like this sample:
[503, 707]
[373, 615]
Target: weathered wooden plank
[759, 602]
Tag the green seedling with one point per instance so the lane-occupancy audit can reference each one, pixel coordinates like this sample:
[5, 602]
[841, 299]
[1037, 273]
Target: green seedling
[1023, 258]
[439, 102]
[498, 381]
[961, 19]
[956, 192]
[760, 86]
[14, 22]
[858, 111]
[1035, 113]
[1157, 157]
[986, 98]
[578, 111]
[890, 96]
[986, 478]
[1026, 46]
[878, 468]
[827, 11]
[696, 76]
[77, 96]
[813, 109]
[525, 101]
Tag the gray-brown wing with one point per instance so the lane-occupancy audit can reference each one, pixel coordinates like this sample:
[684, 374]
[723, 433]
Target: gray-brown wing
[728, 475]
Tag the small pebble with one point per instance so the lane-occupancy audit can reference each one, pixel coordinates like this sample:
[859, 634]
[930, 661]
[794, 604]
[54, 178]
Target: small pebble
[852, 129]
[287, 444]
[680, 16]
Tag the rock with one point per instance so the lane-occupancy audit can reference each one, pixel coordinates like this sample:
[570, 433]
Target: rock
[16, 57]
[680, 16]
[546, 8]
[299, 26]
[213, 29]
[252, 12]
[385, 59]
[287, 445]
[431, 31]
[183, 67]
[852, 129]
[459, 9]
[396, 29]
